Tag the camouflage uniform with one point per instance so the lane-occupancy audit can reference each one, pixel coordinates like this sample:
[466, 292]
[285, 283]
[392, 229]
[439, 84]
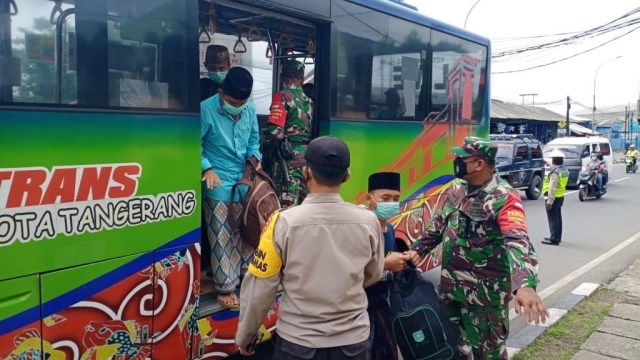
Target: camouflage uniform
[291, 116]
[486, 257]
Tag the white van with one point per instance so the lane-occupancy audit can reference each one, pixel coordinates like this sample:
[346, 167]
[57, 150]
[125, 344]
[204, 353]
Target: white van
[577, 151]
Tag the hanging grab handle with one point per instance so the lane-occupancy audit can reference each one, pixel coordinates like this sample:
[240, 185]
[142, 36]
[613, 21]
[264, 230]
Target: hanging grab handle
[311, 45]
[253, 34]
[285, 40]
[269, 53]
[14, 8]
[239, 47]
[212, 26]
[57, 10]
[203, 31]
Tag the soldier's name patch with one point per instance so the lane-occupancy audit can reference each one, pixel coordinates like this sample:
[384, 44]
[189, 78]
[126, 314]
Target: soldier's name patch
[511, 216]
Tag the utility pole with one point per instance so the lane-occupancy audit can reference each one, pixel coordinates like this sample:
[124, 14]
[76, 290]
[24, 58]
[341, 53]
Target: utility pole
[533, 95]
[568, 121]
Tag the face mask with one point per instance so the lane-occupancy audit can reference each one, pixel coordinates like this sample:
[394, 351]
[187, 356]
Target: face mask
[594, 157]
[387, 210]
[217, 76]
[459, 168]
[232, 109]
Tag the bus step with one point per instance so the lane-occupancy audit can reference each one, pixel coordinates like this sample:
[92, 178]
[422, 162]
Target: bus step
[209, 304]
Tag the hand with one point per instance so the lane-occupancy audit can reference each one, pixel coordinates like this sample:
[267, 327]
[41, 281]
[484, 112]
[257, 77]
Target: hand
[534, 309]
[211, 178]
[396, 261]
[244, 350]
[549, 206]
[415, 258]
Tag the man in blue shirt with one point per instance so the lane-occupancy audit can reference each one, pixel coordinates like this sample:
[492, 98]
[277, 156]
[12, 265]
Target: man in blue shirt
[229, 137]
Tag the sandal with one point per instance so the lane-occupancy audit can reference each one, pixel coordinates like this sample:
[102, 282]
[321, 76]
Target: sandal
[228, 301]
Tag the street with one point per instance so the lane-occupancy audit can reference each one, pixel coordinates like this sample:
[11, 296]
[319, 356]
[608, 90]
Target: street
[594, 247]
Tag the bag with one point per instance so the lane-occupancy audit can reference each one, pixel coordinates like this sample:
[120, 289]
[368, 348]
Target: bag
[258, 204]
[419, 327]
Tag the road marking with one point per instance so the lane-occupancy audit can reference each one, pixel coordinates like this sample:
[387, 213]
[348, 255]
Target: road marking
[624, 178]
[581, 271]
[571, 192]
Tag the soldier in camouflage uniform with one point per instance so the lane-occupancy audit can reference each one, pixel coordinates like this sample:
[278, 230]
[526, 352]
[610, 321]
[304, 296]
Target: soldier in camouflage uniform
[290, 118]
[487, 256]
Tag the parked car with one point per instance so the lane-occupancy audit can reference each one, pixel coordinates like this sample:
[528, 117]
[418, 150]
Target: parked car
[520, 162]
[577, 151]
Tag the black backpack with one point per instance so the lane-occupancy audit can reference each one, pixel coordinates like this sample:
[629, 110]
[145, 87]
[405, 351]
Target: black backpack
[420, 329]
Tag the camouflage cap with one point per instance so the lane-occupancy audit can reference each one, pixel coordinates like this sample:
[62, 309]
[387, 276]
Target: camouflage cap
[217, 54]
[292, 68]
[479, 147]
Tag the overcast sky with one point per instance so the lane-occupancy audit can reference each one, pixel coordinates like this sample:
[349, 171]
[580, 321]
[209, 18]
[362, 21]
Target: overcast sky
[516, 24]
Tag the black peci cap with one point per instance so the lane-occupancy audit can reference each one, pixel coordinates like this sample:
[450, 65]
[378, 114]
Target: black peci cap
[328, 151]
[238, 83]
[384, 180]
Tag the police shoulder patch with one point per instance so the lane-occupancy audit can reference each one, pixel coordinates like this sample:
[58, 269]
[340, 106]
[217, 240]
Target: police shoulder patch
[266, 260]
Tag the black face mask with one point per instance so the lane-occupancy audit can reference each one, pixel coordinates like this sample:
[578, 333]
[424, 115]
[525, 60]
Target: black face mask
[459, 168]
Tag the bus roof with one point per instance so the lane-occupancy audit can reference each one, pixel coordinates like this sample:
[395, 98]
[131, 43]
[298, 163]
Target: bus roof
[395, 9]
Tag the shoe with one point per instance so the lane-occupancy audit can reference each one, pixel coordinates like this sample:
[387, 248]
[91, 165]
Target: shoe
[547, 241]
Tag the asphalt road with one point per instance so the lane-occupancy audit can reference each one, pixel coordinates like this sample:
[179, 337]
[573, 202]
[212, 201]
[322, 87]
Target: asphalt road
[596, 243]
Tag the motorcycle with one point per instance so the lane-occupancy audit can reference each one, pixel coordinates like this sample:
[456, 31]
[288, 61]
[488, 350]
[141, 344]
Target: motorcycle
[588, 181]
[631, 168]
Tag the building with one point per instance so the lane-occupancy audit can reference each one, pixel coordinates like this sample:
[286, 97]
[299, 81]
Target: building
[544, 124]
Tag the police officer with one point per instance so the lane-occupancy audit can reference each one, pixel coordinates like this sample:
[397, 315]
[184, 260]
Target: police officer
[217, 62]
[487, 256]
[323, 253]
[290, 121]
[553, 190]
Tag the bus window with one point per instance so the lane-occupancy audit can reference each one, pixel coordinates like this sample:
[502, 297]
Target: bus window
[379, 65]
[115, 53]
[29, 59]
[144, 38]
[457, 84]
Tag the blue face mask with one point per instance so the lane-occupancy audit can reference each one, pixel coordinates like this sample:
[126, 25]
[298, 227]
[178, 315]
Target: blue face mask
[387, 210]
[232, 109]
[217, 76]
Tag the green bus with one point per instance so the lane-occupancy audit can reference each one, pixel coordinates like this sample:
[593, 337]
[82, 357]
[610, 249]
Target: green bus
[100, 140]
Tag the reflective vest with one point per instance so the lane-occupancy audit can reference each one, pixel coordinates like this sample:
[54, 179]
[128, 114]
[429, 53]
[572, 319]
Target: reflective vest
[563, 179]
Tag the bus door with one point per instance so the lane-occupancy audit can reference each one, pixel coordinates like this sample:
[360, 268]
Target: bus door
[259, 40]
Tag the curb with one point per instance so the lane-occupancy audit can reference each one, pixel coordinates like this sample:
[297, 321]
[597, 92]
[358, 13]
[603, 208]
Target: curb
[531, 332]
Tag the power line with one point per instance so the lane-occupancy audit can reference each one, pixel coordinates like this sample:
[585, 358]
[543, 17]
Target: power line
[569, 57]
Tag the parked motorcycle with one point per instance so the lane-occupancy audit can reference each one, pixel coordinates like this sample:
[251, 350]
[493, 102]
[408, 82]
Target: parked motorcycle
[588, 181]
[631, 168]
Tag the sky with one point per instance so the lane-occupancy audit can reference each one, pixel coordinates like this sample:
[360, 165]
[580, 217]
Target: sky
[518, 24]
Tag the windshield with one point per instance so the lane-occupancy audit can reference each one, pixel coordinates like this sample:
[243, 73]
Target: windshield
[570, 151]
[505, 151]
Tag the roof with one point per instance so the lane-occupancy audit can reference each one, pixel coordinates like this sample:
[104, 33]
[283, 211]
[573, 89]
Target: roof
[501, 110]
[581, 130]
[577, 140]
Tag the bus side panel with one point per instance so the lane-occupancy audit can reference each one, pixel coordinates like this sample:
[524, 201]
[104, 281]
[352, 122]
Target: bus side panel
[420, 152]
[176, 290]
[221, 328]
[94, 322]
[21, 297]
[95, 186]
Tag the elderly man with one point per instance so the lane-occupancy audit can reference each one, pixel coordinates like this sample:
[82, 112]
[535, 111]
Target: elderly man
[230, 138]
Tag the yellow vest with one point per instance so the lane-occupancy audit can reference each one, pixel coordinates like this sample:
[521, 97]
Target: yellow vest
[563, 179]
